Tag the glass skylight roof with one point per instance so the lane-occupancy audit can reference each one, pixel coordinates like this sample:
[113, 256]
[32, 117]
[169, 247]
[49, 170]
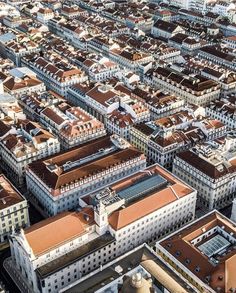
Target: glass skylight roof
[214, 245]
[150, 183]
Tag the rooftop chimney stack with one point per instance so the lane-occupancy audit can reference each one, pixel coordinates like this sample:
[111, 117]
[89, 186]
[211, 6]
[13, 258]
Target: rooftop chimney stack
[1, 88]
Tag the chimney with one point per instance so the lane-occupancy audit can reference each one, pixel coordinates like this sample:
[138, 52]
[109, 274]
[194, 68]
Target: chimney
[1, 88]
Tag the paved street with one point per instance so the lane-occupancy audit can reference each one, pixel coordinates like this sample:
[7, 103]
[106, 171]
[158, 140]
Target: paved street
[34, 215]
[4, 277]
[227, 211]
[14, 274]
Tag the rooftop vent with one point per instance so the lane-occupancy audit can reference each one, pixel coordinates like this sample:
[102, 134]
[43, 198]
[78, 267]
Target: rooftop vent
[178, 253]
[187, 261]
[52, 167]
[119, 269]
[103, 89]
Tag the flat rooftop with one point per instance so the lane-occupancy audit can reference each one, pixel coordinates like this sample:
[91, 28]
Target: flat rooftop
[207, 248]
[143, 258]
[9, 196]
[82, 162]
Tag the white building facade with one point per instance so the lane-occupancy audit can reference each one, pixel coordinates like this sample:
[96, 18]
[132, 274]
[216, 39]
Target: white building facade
[97, 235]
[209, 168]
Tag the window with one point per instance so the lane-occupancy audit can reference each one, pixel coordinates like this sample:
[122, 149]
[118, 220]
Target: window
[178, 253]
[187, 261]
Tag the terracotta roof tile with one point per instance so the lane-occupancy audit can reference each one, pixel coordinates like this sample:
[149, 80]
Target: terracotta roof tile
[42, 237]
[123, 217]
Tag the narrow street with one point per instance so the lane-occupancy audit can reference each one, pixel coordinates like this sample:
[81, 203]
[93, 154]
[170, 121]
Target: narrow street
[4, 277]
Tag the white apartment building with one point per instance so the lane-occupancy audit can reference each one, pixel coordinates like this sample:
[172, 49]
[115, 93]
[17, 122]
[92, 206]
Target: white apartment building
[166, 29]
[59, 182]
[7, 9]
[17, 48]
[198, 5]
[226, 79]
[140, 22]
[72, 12]
[9, 107]
[100, 69]
[34, 103]
[180, 3]
[130, 59]
[223, 8]
[23, 145]
[162, 139]
[210, 168]
[20, 81]
[122, 119]
[158, 102]
[44, 15]
[58, 75]
[185, 43]
[194, 89]
[79, 37]
[101, 100]
[72, 125]
[224, 111]
[13, 209]
[230, 42]
[202, 253]
[17, 2]
[218, 55]
[120, 122]
[140, 268]
[99, 233]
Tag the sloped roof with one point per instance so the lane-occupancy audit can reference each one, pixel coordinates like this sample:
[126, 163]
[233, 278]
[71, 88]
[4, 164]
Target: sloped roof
[52, 232]
[123, 217]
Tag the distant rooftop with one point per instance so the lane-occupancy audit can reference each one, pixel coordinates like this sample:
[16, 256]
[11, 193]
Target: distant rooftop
[84, 161]
[141, 259]
[207, 248]
[9, 196]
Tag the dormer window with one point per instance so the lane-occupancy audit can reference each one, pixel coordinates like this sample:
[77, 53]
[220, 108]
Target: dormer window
[178, 253]
[187, 261]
